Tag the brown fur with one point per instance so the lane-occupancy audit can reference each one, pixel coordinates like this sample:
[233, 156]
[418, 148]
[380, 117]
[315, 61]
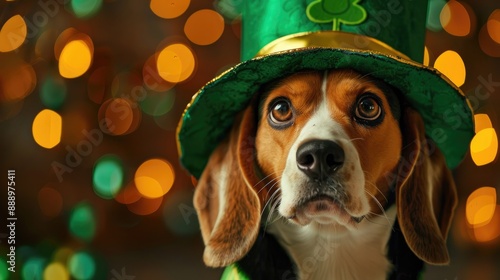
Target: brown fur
[230, 232]
[426, 194]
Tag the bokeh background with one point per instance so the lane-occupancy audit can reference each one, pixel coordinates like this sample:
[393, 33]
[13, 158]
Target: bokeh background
[91, 92]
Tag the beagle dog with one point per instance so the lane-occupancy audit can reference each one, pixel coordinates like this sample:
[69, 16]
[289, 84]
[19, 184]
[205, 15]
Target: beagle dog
[331, 165]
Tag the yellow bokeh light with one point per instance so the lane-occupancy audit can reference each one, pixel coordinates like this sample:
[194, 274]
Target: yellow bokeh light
[455, 19]
[169, 9]
[63, 254]
[13, 34]
[481, 206]
[75, 59]
[489, 231]
[204, 27]
[55, 271]
[452, 66]
[47, 128]
[62, 40]
[154, 178]
[151, 78]
[426, 57]
[482, 121]
[484, 146]
[493, 26]
[175, 63]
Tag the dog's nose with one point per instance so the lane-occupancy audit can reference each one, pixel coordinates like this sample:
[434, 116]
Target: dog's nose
[319, 158]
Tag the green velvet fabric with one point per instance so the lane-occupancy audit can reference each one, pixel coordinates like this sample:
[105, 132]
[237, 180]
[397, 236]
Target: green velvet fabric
[390, 21]
[447, 115]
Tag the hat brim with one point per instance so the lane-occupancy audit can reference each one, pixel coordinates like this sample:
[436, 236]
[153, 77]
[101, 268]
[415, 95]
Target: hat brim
[446, 112]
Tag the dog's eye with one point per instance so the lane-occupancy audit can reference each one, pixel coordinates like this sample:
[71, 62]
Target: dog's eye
[368, 108]
[280, 113]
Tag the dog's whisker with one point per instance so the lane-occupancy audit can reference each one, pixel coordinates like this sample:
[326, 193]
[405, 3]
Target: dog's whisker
[378, 190]
[271, 199]
[273, 212]
[380, 206]
[266, 177]
[277, 216]
[274, 183]
[376, 201]
[262, 180]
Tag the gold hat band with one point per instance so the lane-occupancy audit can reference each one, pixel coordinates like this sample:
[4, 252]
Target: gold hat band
[330, 39]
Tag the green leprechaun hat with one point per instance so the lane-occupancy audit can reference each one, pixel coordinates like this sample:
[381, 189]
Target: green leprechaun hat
[383, 38]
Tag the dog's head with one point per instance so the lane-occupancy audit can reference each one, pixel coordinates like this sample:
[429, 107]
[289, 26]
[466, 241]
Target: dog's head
[327, 148]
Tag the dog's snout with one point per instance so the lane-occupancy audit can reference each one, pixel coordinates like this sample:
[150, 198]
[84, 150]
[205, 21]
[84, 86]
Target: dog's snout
[319, 158]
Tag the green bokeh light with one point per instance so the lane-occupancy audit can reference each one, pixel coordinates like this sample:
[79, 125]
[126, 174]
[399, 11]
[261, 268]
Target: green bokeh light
[433, 13]
[82, 266]
[179, 214]
[33, 269]
[82, 222]
[158, 104]
[108, 176]
[53, 92]
[4, 274]
[85, 8]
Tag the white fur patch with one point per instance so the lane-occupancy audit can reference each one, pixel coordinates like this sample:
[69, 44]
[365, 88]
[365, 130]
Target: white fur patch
[359, 254]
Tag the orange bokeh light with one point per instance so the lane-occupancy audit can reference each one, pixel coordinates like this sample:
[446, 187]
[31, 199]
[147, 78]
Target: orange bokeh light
[128, 195]
[204, 27]
[487, 44]
[17, 80]
[490, 231]
[484, 146]
[13, 34]
[493, 26]
[455, 18]
[169, 9]
[481, 121]
[450, 63]
[152, 79]
[175, 63]
[145, 206]
[119, 116]
[480, 206]
[47, 128]
[154, 178]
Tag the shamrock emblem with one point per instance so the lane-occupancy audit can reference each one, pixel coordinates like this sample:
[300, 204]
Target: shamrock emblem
[336, 11]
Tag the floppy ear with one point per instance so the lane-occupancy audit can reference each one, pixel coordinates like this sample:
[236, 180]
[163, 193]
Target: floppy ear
[425, 193]
[228, 207]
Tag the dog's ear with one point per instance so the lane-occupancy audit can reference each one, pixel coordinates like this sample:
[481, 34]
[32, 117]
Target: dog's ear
[425, 193]
[227, 205]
